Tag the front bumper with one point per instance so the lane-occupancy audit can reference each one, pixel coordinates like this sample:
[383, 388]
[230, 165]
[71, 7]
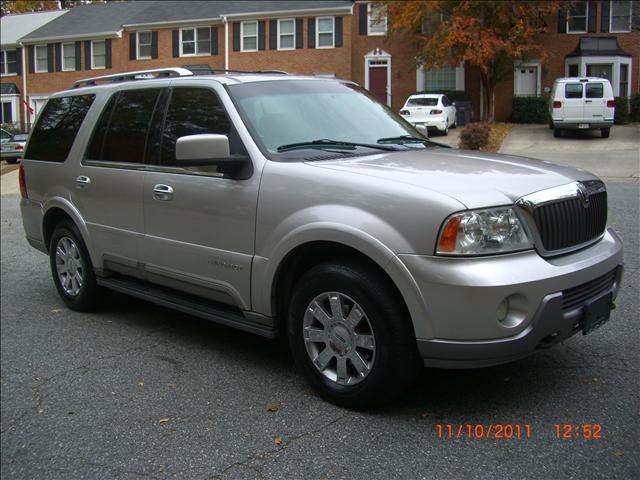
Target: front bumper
[462, 296]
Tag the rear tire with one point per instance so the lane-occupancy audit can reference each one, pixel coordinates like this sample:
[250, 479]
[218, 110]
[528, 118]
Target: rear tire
[605, 132]
[557, 133]
[346, 315]
[11, 161]
[72, 270]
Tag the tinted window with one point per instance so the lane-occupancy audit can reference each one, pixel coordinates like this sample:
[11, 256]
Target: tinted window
[127, 134]
[193, 111]
[57, 126]
[573, 90]
[423, 102]
[594, 90]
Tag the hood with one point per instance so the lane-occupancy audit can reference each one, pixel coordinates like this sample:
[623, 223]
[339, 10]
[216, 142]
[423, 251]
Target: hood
[476, 179]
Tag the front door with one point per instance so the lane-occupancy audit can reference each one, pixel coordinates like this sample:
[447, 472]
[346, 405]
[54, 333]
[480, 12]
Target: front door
[378, 79]
[527, 81]
[199, 226]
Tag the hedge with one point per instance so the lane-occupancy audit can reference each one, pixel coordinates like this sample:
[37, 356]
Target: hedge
[622, 111]
[475, 136]
[634, 110]
[530, 110]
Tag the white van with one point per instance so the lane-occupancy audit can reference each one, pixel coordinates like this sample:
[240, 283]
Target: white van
[581, 103]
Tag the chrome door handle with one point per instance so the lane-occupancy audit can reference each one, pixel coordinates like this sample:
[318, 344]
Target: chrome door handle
[162, 192]
[587, 101]
[83, 181]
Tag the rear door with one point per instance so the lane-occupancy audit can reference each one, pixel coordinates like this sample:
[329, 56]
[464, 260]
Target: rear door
[594, 102]
[199, 225]
[573, 103]
[108, 183]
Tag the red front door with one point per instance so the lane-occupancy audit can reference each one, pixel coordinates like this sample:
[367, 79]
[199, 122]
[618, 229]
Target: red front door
[378, 82]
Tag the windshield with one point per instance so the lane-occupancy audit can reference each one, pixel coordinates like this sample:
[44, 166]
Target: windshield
[319, 113]
[423, 102]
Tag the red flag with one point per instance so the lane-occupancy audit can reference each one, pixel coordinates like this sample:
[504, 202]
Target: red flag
[28, 106]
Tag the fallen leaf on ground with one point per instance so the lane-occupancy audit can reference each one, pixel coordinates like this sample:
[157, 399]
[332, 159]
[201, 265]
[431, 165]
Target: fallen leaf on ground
[618, 453]
[171, 385]
[163, 420]
[140, 384]
[278, 441]
[56, 310]
[273, 407]
[424, 414]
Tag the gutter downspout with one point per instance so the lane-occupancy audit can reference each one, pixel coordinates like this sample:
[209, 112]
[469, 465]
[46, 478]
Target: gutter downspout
[226, 42]
[24, 87]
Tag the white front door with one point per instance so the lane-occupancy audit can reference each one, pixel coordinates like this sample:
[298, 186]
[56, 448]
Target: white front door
[526, 83]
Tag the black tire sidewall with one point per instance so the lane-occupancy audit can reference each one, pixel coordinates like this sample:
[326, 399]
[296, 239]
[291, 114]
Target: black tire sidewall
[386, 316]
[88, 296]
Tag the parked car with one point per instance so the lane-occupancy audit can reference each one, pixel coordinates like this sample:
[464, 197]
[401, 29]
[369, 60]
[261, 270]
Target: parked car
[301, 207]
[434, 111]
[12, 150]
[585, 103]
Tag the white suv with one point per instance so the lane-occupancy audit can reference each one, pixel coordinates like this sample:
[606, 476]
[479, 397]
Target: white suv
[581, 103]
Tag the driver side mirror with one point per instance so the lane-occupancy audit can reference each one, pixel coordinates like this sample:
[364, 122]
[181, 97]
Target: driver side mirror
[423, 130]
[205, 149]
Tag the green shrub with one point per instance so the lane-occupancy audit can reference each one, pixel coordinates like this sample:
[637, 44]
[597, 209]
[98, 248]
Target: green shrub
[634, 110]
[10, 127]
[622, 110]
[530, 110]
[475, 136]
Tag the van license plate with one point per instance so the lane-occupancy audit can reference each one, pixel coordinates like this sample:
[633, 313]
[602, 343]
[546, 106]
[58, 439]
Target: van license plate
[583, 125]
[596, 313]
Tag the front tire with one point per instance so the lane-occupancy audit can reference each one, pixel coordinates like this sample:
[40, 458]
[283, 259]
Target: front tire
[351, 336]
[72, 270]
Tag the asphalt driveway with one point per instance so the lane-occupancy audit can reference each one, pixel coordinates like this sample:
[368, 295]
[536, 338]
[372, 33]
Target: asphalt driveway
[614, 158]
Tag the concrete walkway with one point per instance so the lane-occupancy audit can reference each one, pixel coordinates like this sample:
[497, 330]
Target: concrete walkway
[615, 158]
[9, 183]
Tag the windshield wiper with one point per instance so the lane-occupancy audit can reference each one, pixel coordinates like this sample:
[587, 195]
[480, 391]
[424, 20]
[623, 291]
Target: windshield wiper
[325, 142]
[409, 139]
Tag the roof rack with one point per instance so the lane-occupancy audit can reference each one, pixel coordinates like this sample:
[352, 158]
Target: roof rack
[137, 75]
[200, 69]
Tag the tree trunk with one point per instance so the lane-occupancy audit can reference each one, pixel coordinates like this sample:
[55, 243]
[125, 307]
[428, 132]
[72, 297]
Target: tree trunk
[489, 97]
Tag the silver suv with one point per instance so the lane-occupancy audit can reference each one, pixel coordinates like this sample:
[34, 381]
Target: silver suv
[297, 206]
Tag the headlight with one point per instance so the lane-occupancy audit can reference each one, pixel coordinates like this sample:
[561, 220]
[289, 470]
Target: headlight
[482, 232]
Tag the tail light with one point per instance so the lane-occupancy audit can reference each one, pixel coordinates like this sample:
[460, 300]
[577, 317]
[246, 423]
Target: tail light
[405, 112]
[23, 183]
[611, 103]
[19, 147]
[557, 104]
[435, 112]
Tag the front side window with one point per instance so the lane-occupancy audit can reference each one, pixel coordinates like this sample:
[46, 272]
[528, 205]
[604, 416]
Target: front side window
[281, 113]
[249, 34]
[325, 32]
[121, 134]
[573, 90]
[98, 54]
[69, 56]
[594, 90]
[377, 19]
[57, 127]
[577, 17]
[42, 58]
[144, 45]
[620, 17]
[8, 62]
[192, 111]
[286, 34]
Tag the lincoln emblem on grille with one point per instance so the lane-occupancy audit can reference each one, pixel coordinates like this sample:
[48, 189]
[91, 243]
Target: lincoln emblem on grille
[583, 195]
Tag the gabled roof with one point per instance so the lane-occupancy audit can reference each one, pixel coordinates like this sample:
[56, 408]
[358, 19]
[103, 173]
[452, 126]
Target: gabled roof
[108, 19]
[14, 27]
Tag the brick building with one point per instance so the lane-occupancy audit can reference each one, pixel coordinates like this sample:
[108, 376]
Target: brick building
[334, 38]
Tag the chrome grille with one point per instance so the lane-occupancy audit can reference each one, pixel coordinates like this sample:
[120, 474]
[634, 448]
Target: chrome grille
[568, 222]
[575, 297]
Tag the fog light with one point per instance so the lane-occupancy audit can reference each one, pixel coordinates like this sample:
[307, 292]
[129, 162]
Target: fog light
[512, 311]
[503, 309]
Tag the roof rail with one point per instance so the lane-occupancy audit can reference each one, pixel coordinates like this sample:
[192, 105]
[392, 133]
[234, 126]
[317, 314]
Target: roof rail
[137, 75]
[200, 69]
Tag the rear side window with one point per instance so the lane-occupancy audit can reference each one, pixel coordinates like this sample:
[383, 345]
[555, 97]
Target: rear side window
[194, 111]
[594, 90]
[573, 90]
[57, 127]
[121, 133]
